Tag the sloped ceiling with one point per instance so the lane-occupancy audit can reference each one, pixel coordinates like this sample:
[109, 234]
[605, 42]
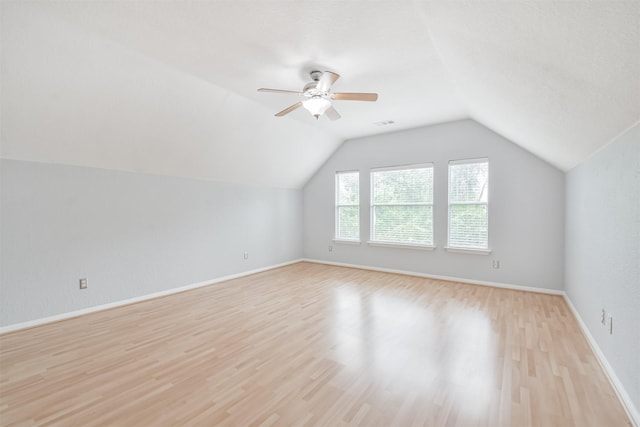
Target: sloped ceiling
[170, 87]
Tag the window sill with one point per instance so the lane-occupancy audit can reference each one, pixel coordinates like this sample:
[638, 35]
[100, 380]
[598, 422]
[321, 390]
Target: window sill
[402, 245]
[347, 242]
[469, 251]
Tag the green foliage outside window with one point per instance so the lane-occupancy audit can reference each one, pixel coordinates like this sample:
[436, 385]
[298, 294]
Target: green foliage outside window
[402, 205]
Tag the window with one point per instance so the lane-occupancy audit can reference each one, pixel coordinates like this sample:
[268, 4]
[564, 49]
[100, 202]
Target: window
[402, 205]
[468, 204]
[348, 206]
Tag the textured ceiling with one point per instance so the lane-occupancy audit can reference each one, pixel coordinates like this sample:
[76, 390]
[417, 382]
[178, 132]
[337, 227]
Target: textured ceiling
[170, 87]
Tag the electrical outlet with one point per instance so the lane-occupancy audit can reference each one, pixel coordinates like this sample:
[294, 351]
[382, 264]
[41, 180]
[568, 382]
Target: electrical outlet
[83, 283]
[496, 264]
[246, 255]
[603, 317]
[330, 248]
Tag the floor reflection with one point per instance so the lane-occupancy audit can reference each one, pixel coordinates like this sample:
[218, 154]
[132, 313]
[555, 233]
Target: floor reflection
[349, 334]
[471, 359]
[400, 342]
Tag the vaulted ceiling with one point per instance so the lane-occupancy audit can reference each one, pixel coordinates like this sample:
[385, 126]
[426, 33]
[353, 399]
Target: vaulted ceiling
[170, 87]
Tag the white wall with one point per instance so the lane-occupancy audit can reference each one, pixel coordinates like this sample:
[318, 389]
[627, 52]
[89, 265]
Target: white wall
[526, 213]
[130, 234]
[603, 252]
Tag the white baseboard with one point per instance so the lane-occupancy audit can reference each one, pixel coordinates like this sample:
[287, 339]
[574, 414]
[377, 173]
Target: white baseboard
[76, 313]
[447, 278]
[617, 386]
[619, 389]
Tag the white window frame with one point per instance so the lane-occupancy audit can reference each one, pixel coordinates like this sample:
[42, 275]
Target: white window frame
[372, 206]
[336, 215]
[480, 251]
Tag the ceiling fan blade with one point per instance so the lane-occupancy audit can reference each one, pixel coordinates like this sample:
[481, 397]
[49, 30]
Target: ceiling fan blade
[264, 89]
[332, 113]
[289, 109]
[327, 80]
[355, 96]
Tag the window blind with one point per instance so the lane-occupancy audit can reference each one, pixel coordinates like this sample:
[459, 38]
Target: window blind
[347, 206]
[402, 205]
[468, 204]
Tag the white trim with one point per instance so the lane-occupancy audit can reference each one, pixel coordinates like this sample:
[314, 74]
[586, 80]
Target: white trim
[433, 276]
[348, 171]
[346, 242]
[468, 250]
[403, 167]
[88, 310]
[469, 161]
[617, 386]
[401, 245]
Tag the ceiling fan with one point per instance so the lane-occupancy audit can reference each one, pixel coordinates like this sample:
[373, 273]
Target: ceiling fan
[318, 96]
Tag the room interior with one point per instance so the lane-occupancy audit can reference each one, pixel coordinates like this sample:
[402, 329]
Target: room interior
[137, 153]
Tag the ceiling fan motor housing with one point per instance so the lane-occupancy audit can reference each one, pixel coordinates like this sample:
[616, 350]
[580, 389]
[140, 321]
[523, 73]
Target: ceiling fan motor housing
[311, 89]
[315, 75]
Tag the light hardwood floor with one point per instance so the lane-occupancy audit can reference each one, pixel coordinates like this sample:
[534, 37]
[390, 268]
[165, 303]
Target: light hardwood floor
[310, 344]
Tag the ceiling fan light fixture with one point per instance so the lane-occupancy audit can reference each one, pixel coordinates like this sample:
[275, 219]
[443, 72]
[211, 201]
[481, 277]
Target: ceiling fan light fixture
[316, 105]
[317, 96]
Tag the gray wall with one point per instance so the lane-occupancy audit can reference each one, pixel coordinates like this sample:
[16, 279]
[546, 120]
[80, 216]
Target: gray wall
[526, 206]
[603, 252]
[129, 234]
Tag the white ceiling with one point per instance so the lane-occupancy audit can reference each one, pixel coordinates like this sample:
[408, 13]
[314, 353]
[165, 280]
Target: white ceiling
[170, 87]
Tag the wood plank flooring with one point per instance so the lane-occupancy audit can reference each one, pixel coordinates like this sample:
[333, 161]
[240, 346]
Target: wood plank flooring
[311, 344]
